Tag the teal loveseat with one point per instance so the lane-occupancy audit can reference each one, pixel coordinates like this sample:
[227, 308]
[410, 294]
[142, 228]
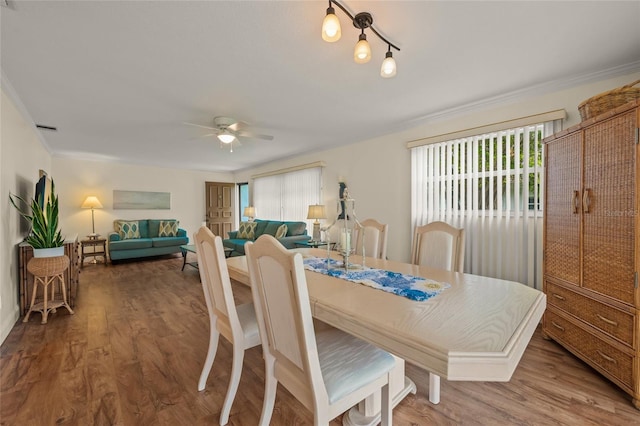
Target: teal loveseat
[295, 232]
[145, 237]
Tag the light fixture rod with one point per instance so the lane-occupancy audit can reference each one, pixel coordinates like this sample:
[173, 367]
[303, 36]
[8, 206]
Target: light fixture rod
[332, 2]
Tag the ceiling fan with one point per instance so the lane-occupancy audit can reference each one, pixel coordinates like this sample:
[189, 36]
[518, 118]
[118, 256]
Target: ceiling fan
[229, 130]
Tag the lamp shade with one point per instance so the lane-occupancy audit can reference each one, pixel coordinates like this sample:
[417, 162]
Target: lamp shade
[362, 52]
[331, 30]
[249, 212]
[316, 211]
[91, 202]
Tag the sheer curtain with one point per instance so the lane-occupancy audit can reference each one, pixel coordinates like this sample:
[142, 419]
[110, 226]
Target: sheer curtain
[287, 196]
[491, 185]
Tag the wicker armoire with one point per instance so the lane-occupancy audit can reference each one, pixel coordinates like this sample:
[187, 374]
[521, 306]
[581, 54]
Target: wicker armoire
[591, 244]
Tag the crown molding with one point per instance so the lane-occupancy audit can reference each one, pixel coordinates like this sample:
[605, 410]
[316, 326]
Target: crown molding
[535, 90]
[9, 90]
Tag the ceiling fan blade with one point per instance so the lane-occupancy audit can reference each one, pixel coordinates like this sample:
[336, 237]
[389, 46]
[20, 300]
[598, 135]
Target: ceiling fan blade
[237, 126]
[200, 125]
[252, 135]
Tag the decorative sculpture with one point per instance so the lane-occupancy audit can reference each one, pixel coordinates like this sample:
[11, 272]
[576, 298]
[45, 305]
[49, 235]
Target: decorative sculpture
[349, 223]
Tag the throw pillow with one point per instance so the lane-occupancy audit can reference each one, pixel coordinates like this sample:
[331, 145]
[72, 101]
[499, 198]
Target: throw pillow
[168, 228]
[282, 231]
[128, 229]
[247, 230]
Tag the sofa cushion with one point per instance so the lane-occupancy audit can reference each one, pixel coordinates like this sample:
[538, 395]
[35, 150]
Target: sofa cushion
[154, 227]
[246, 230]
[137, 243]
[168, 228]
[169, 241]
[260, 227]
[235, 244]
[272, 228]
[282, 231]
[295, 228]
[128, 229]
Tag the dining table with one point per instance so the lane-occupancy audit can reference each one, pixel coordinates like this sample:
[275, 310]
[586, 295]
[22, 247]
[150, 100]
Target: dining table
[475, 329]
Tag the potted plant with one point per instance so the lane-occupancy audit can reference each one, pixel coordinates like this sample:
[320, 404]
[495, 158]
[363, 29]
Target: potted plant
[44, 237]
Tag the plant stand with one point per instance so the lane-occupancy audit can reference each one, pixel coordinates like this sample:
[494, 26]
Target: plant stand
[48, 271]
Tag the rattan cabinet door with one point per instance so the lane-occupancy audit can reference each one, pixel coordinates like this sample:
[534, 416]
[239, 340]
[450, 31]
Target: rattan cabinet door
[562, 212]
[609, 207]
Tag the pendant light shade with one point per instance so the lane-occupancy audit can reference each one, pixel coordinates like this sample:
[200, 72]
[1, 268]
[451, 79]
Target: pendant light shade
[362, 52]
[331, 30]
[388, 68]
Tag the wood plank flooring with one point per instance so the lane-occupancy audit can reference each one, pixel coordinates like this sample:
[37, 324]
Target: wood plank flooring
[133, 352]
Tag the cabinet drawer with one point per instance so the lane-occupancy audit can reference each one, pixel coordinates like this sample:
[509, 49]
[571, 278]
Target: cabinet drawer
[593, 350]
[609, 320]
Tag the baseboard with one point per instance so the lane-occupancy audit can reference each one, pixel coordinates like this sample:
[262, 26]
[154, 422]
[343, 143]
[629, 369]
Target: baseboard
[8, 322]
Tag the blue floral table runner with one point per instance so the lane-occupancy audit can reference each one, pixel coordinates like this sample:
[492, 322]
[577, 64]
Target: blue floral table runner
[409, 286]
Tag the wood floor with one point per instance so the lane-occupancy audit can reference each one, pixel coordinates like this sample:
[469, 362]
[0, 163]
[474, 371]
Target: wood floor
[133, 351]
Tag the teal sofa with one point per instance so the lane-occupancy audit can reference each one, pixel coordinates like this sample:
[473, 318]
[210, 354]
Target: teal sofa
[296, 232]
[144, 238]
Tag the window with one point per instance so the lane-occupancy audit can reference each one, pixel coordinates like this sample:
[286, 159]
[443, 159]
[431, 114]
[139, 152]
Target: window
[287, 195]
[491, 185]
[243, 197]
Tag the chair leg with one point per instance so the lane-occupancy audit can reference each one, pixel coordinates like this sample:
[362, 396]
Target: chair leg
[434, 388]
[211, 355]
[386, 408]
[234, 380]
[270, 386]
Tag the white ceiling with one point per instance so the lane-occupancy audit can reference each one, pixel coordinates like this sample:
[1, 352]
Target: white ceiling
[118, 78]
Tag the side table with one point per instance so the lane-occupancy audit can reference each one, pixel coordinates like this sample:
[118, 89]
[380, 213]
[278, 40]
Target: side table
[71, 275]
[48, 271]
[98, 249]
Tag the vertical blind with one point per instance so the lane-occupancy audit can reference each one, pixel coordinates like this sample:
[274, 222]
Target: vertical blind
[491, 185]
[287, 196]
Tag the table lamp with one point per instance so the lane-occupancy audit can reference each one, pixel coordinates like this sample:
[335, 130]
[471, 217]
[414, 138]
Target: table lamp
[316, 211]
[92, 202]
[249, 212]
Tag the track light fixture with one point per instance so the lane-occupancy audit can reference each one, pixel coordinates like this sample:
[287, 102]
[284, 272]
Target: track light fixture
[331, 32]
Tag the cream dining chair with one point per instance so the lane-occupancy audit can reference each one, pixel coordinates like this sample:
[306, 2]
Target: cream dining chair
[373, 235]
[236, 323]
[329, 371]
[438, 245]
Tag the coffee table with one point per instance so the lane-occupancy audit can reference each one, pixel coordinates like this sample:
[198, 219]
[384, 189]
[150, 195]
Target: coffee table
[191, 248]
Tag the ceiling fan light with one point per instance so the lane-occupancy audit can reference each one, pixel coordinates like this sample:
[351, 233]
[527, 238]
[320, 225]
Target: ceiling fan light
[362, 52]
[388, 68]
[226, 137]
[331, 30]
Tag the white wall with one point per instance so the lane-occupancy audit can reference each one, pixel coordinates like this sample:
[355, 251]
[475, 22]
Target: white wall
[22, 155]
[378, 171]
[77, 179]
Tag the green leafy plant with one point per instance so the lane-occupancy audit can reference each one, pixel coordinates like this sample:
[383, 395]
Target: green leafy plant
[44, 220]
